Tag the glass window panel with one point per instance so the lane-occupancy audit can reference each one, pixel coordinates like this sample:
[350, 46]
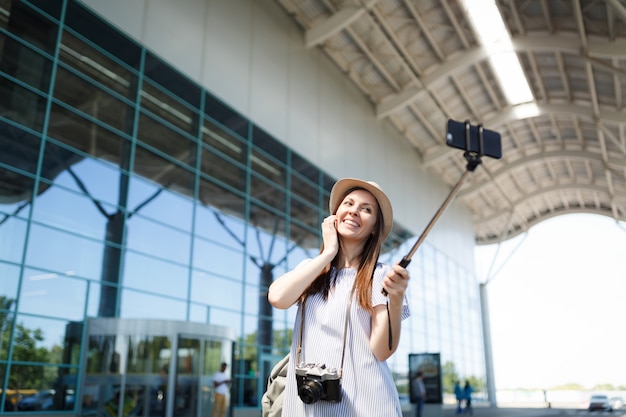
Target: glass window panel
[161, 204]
[8, 286]
[169, 108]
[218, 259]
[21, 106]
[53, 389]
[19, 150]
[26, 23]
[155, 239]
[305, 213]
[70, 128]
[271, 146]
[94, 289]
[102, 34]
[12, 238]
[70, 254]
[302, 168]
[230, 174]
[228, 202]
[46, 340]
[251, 327]
[308, 239]
[6, 328]
[94, 179]
[24, 64]
[50, 7]
[70, 211]
[199, 313]
[225, 116]
[148, 354]
[48, 294]
[224, 143]
[215, 352]
[267, 167]
[90, 99]
[216, 291]
[219, 227]
[268, 227]
[168, 77]
[163, 171]
[139, 305]
[165, 139]
[90, 62]
[226, 318]
[155, 275]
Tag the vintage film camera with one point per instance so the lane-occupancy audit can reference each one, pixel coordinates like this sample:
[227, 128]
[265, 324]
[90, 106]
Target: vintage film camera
[317, 382]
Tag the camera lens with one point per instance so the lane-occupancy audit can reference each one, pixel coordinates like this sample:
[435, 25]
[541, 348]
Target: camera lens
[310, 391]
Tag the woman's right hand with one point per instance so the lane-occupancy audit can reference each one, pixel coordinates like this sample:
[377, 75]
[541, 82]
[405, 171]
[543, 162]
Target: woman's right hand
[329, 235]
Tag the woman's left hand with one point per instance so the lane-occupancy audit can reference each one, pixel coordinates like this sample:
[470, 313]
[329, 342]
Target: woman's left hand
[395, 282]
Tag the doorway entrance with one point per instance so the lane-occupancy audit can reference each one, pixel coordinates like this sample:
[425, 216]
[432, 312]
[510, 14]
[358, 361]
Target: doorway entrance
[151, 368]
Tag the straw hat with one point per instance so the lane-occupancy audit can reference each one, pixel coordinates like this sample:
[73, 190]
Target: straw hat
[343, 185]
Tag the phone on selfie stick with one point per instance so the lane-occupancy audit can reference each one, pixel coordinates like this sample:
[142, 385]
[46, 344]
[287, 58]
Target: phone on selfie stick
[477, 142]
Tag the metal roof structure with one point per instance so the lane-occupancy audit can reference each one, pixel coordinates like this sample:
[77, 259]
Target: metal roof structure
[420, 63]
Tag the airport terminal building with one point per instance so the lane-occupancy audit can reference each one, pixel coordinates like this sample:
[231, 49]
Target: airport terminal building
[161, 162]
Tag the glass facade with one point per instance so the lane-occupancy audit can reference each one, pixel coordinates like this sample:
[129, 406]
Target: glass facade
[129, 192]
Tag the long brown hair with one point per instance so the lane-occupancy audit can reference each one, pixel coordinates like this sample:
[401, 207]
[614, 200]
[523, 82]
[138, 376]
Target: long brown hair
[367, 265]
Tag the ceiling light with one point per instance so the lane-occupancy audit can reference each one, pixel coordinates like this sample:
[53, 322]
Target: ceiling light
[488, 24]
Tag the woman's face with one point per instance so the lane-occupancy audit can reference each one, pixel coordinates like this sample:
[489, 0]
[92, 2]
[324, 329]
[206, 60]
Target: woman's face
[356, 215]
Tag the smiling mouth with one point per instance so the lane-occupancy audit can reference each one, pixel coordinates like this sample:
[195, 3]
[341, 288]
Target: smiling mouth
[351, 223]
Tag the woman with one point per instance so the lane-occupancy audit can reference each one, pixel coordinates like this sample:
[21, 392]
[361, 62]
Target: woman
[346, 277]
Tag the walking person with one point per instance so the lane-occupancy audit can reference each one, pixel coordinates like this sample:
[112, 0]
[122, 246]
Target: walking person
[458, 393]
[419, 393]
[467, 395]
[220, 383]
[346, 327]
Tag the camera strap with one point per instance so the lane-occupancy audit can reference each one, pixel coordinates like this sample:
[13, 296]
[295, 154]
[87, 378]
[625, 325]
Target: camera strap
[345, 331]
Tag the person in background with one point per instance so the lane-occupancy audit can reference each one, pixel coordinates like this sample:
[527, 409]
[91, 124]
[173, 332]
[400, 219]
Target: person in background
[467, 395]
[419, 393]
[458, 393]
[220, 383]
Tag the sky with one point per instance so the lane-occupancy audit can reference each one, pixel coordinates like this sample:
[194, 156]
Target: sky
[557, 303]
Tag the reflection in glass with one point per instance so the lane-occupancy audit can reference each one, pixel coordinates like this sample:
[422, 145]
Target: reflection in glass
[154, 239]
[164, 277]
[70, 254]
[47, 294]
[47, 388]
[148, 367]
[187, 373]
[42, 340]
[136, 304]
[216, 291]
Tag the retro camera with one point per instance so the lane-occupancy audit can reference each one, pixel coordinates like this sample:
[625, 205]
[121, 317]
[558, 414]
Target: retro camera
[317, 382]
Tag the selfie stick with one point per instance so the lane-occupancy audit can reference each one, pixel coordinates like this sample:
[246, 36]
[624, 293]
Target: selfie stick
[473, 160]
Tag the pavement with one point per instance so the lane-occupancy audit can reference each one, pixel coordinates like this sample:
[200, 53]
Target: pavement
[486, 411]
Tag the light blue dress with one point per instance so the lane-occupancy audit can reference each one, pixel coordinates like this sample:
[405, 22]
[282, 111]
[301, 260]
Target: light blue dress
[367, 386]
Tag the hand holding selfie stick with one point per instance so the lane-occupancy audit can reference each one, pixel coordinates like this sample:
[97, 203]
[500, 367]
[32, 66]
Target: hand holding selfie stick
[475, 148]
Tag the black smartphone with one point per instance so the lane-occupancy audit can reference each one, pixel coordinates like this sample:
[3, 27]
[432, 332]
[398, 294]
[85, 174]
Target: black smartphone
[457, 138]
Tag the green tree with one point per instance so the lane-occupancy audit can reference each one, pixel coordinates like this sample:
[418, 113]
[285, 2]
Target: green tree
[449, 376]
[25, 350]
[6, 321]
[604, 387]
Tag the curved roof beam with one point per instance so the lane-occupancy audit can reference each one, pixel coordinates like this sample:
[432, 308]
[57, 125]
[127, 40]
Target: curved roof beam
[339, 21]
[548, 190]
[512, 232]
[539, 157]
[476, 55]
[526, 111]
